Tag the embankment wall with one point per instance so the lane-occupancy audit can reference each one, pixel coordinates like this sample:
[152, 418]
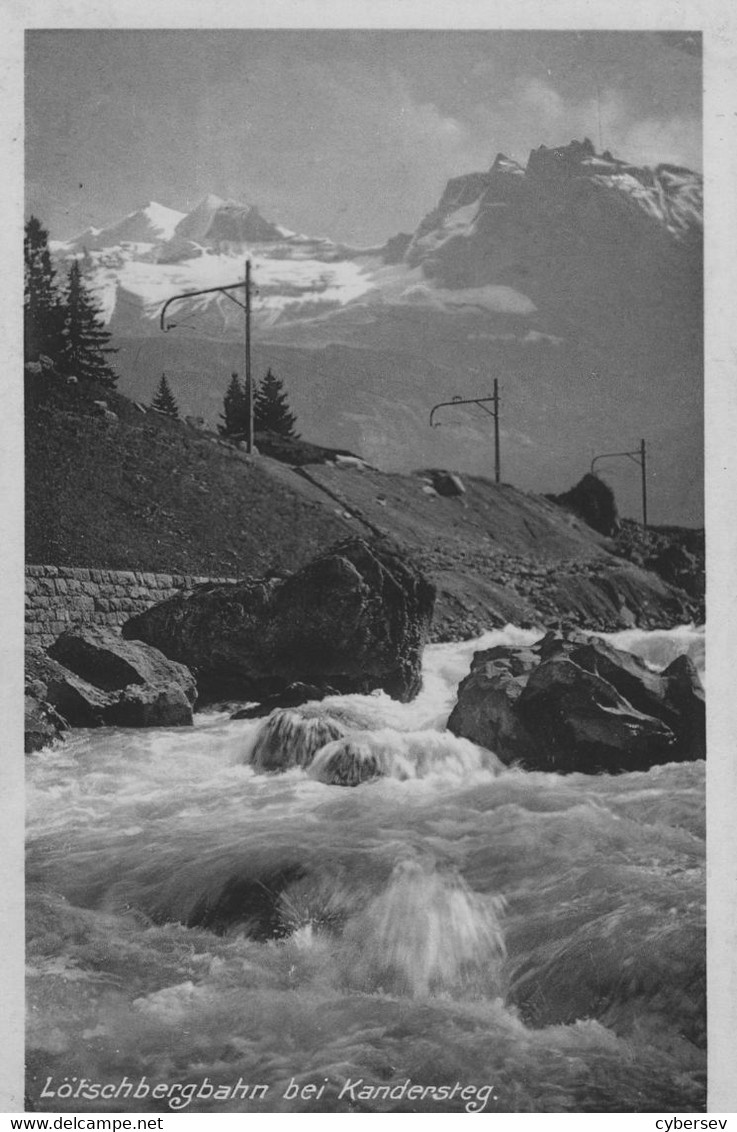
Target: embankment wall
[59, 597]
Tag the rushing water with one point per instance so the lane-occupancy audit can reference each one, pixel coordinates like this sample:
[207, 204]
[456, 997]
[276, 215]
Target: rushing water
[509, 941]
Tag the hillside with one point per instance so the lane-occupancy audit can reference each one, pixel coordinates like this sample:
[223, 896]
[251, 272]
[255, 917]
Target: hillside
[124, 488]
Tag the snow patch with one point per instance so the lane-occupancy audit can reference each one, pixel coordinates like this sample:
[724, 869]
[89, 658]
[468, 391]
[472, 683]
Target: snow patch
[491, 297]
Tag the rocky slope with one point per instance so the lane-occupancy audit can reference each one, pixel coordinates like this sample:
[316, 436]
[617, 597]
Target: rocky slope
[576, 281]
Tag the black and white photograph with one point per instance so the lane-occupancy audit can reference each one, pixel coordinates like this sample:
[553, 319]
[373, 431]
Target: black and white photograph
[365, 567]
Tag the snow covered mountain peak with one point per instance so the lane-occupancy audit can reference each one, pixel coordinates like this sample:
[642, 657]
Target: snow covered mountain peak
[151, 224]
[216, 221]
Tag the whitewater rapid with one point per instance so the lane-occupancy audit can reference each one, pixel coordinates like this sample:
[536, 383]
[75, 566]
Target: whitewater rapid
[192, 917]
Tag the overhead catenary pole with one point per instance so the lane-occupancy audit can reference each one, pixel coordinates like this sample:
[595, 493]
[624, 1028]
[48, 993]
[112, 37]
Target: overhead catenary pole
[639, 456]
[643, 465]
[482, 403]
[249, 384]
[497, 458]
[225, 290]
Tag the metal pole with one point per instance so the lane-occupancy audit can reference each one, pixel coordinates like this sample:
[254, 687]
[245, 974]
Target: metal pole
[497, 463]
[644, 483]
[249, 386]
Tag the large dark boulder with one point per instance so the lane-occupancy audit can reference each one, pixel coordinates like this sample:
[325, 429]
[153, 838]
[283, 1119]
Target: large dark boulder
[356, 618]
[572, 703]
[592, 500]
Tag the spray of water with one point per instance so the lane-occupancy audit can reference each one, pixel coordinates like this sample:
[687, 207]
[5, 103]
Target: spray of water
[427, 933]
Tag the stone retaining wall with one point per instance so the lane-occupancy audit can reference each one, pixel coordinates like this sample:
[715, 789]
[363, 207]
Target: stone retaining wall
[58, 597]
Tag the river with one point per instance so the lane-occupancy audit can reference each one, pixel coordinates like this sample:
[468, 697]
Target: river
[456, 936]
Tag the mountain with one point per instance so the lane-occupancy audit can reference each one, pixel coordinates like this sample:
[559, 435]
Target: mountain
[576, 281]
[148, 225]
[223, 222]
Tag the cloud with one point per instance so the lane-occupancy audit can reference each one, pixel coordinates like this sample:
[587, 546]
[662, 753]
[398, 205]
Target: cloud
[538, 114]
[543, 99]
[419, 124]
[676, 141]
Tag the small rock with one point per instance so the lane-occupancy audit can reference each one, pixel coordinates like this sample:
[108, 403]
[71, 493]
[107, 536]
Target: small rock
[42, 725]
[292, 696]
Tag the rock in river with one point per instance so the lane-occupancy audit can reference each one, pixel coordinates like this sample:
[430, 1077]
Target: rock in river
[92, 677]
[570, 703]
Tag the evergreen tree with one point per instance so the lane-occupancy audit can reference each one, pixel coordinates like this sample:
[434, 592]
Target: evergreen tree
[86, 342]
[235, 410]
[164, 400]
[43, 313]
[271, 411]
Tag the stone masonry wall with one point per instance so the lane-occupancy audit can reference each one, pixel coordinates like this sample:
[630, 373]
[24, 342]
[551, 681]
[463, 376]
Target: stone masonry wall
[58, 597]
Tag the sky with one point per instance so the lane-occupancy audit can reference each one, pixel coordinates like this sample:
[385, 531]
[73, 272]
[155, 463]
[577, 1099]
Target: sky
[350, 134]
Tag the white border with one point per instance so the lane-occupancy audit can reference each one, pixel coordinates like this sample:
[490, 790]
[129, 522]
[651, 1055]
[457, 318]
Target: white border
[718, 23]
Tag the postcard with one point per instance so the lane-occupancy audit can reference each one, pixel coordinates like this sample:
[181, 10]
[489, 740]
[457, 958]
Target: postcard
[368, 359]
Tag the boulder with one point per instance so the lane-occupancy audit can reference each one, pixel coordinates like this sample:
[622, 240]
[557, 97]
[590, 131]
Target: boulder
[685, 694]
[592, 500]
[356, 618]
[104, 658]
[573, 703]
[157, 705]
[92, 677]
[485, 711]
[679, 567]
[350, 761]
[79, 702]
[292, 696]
[289, 738]
[629, 675]
[445, 483]
[579, 722]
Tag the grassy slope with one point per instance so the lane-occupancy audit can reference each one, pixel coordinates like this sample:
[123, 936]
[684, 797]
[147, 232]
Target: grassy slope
[146, 493]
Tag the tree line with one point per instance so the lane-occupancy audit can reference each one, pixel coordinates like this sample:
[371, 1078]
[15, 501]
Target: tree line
[271, 412]
[64, 326]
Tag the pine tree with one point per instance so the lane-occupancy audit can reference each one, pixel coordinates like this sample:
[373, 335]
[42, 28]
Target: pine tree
[271, 411]
[164, 401]
[235, 410]
[86, 342]
[43, 312]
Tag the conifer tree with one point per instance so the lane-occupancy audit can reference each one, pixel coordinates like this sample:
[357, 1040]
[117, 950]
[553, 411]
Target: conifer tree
[43, 313]
[235, 410]
[164, 401]
[86, 342]
[271, 411]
